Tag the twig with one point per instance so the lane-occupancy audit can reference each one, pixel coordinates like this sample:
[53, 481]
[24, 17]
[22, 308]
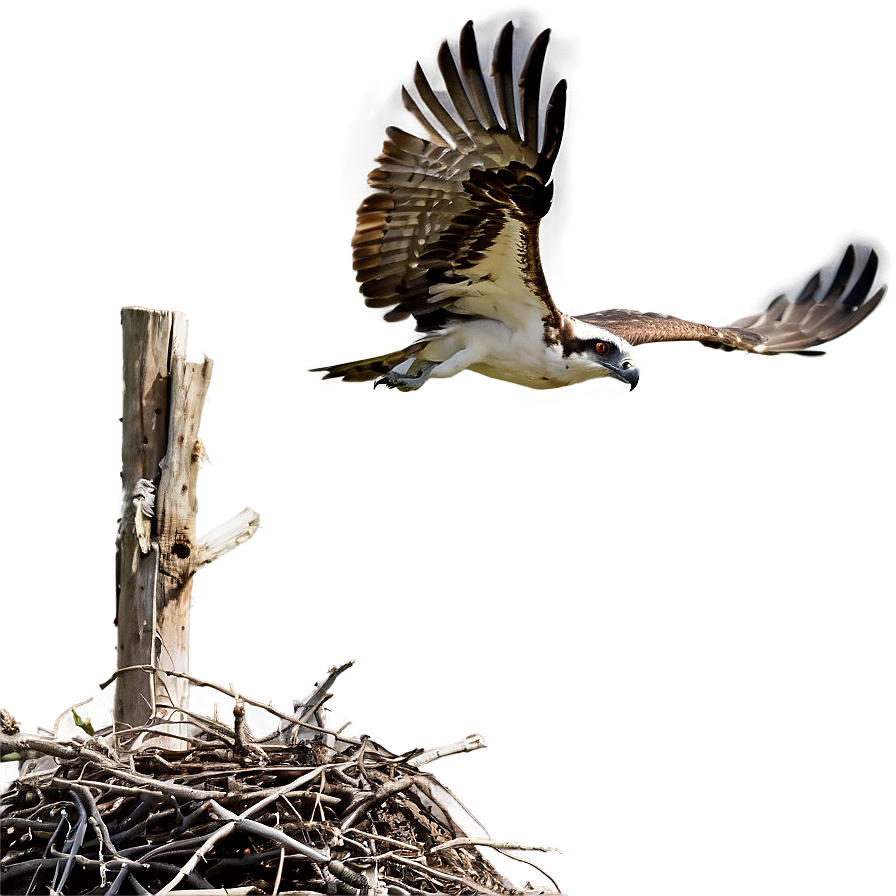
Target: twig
[468, 884]
[221, 891]
[381, 793]
[230, 693]
[470, 742]
[279, 877]
[18, 743]
[230, 827]
[263, 830]
[74, 845]
[485, 841]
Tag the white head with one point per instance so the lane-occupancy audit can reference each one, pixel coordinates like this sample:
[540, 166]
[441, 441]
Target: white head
[591, 351]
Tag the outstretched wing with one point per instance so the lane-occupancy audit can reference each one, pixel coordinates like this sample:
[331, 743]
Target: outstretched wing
[831, 303]
[453, 225]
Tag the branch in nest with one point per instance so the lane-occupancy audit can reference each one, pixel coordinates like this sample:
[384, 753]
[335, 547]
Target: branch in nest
[485, 841]
[470, 742]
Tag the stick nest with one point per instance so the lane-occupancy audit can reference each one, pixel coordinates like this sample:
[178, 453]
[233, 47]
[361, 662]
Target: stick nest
[303, 810]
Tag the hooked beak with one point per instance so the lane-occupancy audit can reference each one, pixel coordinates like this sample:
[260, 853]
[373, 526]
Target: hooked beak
[626, 373]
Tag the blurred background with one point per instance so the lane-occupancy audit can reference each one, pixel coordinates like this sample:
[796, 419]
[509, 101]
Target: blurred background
[669, 612]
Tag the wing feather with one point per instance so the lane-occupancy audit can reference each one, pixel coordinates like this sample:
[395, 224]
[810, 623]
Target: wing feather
[472, 72]
[641, 327]
[502, 73]
[463, 103]
[457, 211]
[820, 312]
[530, 87]
[457, 134]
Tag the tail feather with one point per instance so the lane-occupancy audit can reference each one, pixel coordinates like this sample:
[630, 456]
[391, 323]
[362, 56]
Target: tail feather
[370, 368]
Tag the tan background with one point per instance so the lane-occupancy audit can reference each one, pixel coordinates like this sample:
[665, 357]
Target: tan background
[684, 591]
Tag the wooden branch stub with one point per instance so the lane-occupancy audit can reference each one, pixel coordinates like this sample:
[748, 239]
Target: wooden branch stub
[225, 538]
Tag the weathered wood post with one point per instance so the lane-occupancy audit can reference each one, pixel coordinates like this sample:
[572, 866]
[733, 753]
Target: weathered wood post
[158, 552]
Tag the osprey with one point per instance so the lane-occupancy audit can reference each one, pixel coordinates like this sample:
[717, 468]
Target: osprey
[450, 236]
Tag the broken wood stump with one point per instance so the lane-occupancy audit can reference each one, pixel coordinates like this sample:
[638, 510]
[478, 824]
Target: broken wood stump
[157, 551]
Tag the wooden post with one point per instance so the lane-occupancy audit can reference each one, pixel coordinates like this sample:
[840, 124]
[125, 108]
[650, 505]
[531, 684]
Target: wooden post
[158, 552]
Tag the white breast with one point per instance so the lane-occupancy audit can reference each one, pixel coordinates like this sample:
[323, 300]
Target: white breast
[522, 356]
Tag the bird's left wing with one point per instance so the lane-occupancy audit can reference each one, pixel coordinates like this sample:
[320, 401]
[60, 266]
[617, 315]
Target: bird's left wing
[453, 224]
[831, 303]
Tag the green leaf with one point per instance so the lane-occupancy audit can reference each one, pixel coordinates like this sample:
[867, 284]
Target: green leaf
[83, 724]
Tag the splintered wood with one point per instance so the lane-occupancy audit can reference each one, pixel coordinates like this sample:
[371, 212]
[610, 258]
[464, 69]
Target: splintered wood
[302, 810]
[158, 551]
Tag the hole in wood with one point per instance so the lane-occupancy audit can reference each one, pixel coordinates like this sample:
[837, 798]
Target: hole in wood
[181, 550]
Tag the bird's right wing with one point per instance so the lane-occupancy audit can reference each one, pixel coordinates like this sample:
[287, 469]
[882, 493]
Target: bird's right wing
[831, 303]
[452, 226]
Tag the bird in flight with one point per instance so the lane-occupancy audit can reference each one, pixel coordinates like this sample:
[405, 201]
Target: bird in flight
[450, 236]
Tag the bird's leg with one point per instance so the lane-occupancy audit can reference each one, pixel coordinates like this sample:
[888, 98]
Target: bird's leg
[407, 376]
[413, 372]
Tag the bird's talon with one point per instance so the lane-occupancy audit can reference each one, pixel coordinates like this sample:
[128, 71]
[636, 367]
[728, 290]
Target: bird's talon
[406, 382]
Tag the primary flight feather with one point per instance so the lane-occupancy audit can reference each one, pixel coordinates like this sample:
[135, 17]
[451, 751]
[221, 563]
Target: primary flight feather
[450, 237]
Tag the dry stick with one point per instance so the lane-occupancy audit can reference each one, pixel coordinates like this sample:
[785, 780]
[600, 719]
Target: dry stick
[247, 770]
[162, 788]
[242, 735]
[19, 869]
[211, 727]
[150, 853]
[75, 846]
[17, 743]
[115, 864]
[437, 802]
[231, 693]
[279, 871]
[256, 857]
[178, 790]
[485, 841]
[63, 819]
[470, 742]
[311, 703]
[115, 886]
[80, 790]
[398, 886]
[230, 827]
[222, 891]
[29, 824]
[256, 827]
[390, 840]
[426, 799]
[122, 790]
[443, 875]
[154, 729]
[378, 795]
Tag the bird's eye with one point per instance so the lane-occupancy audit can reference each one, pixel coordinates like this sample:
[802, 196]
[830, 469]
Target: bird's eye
[601, 348]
